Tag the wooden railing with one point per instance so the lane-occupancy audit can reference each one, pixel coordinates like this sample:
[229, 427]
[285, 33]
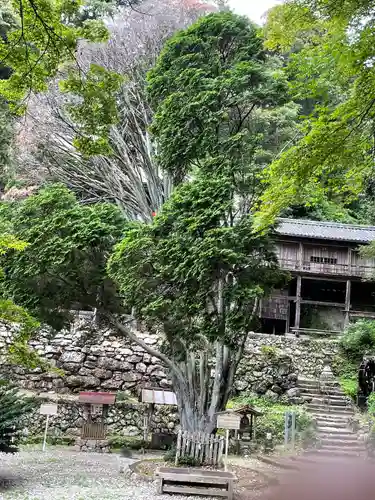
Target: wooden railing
[332, 269]
[204, 448]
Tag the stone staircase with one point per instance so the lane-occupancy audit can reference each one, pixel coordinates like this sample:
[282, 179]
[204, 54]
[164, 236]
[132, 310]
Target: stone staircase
[331, 411]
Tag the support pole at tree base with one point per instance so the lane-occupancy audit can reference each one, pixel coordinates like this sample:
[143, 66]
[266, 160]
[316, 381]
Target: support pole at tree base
[226, 449]
[45, 434]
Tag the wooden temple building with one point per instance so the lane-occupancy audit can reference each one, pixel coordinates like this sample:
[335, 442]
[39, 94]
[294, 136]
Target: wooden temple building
[331, 285]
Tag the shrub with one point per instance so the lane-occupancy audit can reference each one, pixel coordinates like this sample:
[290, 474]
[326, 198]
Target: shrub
[117, 441]
[13, 406]
[170, 455]
[349, 387]
[358, 339]
[273, 417]
[269, 351]
[371, 404]
[187, 460]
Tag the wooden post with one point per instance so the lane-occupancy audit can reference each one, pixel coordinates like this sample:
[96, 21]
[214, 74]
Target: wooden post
[349, 260]
[160, 486]
[347, 301]
[300, 256]
[45, 434]
[254, 427]
[178, 447]
[230, 489]
[226, 450]
[298, 305]
[287, 323]
[293, 429]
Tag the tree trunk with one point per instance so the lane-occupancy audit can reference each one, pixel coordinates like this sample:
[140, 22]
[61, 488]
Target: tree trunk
[200, 394]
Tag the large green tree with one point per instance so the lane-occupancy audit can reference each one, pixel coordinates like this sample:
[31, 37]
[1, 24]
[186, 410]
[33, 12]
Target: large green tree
[196, 273]
[334, 66]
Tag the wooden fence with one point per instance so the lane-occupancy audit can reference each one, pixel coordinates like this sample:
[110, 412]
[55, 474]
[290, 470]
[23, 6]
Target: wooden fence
[205, 448]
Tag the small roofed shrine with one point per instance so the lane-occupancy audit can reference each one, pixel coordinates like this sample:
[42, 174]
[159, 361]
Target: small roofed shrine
[94, 430]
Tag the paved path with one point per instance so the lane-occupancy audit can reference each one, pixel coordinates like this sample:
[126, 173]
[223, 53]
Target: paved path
[61, 474]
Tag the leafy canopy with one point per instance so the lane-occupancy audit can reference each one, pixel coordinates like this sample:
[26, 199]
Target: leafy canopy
[42, 40]
[169, 272]
[330, 46]
[63, 265]
[205, 87]
[39, 43]
[198, 270]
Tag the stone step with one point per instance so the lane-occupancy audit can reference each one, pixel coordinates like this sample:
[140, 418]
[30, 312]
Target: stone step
[339, 424]
[316, 391]
[335, 452]
[329, 409]
[315, 383]
[343, 442]
[334, 430]
[329, 400]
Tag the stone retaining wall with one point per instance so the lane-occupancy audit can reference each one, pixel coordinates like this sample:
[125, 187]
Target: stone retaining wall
[124, 419]
[95, 359]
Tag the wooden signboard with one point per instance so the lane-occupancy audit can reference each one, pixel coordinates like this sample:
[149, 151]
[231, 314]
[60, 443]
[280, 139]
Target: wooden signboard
[158, 396]
[48, 409]
[228, 421]
[97, 398]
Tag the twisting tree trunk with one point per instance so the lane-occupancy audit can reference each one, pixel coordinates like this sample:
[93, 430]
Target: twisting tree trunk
[200, 394]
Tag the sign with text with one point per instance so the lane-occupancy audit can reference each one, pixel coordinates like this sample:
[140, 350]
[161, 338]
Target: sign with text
[159, 397]
[48, 409]
[97, 398]
[228, 421]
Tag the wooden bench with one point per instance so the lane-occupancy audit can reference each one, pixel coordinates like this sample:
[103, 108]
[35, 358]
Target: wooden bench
[196, 482]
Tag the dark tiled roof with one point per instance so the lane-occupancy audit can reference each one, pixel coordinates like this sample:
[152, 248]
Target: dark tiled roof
[326, 230]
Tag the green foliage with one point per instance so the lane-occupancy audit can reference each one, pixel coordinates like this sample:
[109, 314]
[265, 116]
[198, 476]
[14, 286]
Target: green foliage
[184, 460]
[13, 408]
[117, 441]
[349, 386]
[269, 351]
[42, 40]
[97, 109]
[53, 440]
[188, 461]
[272, 419]
[358, 339]
[207, 83]
[40, 43]
[168, 271]
[170, 455]
[330, 60]
[18, 352]
[371, 404]
[63, 265]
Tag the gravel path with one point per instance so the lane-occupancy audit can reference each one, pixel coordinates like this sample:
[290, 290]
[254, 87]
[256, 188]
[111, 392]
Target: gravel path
[66, 475]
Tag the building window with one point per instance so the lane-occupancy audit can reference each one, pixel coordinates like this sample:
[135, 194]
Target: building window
[323, 260]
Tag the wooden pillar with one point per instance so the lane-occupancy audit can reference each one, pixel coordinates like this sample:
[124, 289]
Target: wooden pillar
[347, 301]
[300, 256]
[287, 325]
[298, 304]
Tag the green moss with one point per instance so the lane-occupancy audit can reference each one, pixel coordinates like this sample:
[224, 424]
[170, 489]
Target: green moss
[269, 351]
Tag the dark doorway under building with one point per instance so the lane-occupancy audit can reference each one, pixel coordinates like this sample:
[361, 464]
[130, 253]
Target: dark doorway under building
[274, 326]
